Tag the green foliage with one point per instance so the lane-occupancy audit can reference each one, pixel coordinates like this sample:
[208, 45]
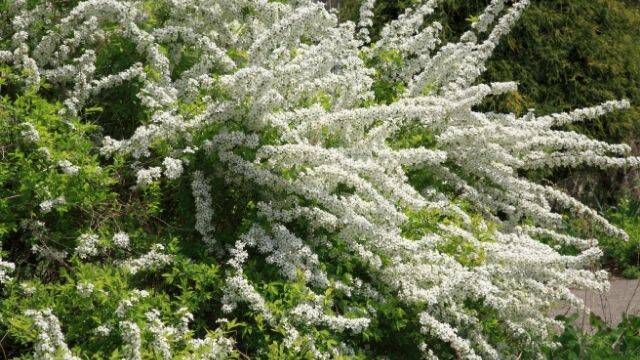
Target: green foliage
[48, 272]
[621, 342]
[624, 257]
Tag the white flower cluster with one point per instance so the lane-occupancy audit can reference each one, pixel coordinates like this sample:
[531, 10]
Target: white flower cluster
[288, 252]
[121, 240]
[366, 19]
[47, 205]
[102, 330]
[67, 167]
[132, 338]
[204, 211]
[313, 314]
[129, 330]
[27, 289]
[161, 333]
[172, 168]
[6, 268]
[154, 259]
[50, 343]
[85, 290]
[325, 155]
[162, 336]
[30, 133]
[127, 304]
[88, 246]
[237, 287]
[209, 348]
[147, 176]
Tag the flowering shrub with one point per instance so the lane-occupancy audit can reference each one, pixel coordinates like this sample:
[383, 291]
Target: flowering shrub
[232, 178]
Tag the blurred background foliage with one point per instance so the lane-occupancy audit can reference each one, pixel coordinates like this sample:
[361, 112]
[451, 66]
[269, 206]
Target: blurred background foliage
[565, 54]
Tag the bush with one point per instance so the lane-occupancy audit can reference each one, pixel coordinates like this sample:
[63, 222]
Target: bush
[254, 179]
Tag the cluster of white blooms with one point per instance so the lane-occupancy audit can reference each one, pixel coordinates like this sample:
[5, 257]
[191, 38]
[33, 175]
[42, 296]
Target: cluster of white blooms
[185, 318]
[288, 252]
[27, 289]
[313, 314]
[85, 290]
[366, 19]
[238, 289]
[125, 305]
[324, 154]
[6, 268]
[49, 252]
[50, 343]
[204, 211]
[210, 348]
[154, 259]
[447, 334]
[161, 333]
[132, 338]
[88, 246]
[172, 168]
[121, 240]
[47, 205]
[30, 133]
[102, 330]
[67, 167]
[144, 177]
[164, 335]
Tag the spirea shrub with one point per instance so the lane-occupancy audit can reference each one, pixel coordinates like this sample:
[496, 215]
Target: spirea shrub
[246, 178]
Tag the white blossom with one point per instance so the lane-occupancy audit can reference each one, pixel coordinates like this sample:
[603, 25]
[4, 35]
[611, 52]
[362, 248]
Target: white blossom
[172, 168]
[144, 177]
[88, 246]
[126, 304]
[67, 167]
[154, 259]
[85, 289]
[30, 133]
[132, 338]
[6, 268]
[313, 314]
[47, 205]
[211, 348]
[27, 289]
[102, 330]
[50, 342]
[204, 209]
[161, 333]
[121, 240]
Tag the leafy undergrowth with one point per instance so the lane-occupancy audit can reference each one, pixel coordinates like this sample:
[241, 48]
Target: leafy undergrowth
[621, 342]
[624, 257]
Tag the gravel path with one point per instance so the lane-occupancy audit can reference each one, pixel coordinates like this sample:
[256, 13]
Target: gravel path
[623, 297]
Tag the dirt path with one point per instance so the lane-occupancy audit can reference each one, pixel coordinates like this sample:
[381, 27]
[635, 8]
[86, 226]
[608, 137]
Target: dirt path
[623, 297]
